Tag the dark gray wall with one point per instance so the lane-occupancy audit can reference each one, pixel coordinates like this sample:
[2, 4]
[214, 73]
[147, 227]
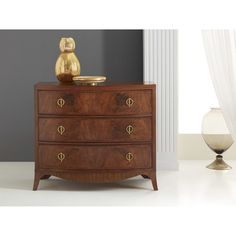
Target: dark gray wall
[28, 57]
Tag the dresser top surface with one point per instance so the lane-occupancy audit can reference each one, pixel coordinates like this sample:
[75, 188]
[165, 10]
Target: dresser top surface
[105, 86]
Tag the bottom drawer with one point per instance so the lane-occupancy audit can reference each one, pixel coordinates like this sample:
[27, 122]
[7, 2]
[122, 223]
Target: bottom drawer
[95, 157]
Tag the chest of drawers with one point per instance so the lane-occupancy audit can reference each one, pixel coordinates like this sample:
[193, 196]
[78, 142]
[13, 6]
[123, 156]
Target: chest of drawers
[95, 134]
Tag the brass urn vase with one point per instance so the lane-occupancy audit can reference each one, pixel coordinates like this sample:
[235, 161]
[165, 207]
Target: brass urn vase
[67, 65]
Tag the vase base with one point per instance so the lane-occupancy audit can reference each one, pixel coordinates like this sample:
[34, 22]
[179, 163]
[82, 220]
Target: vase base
[219, 164]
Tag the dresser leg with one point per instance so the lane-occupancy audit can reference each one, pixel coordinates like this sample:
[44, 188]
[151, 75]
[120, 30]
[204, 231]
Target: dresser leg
[45, 177]
[154, 181]
[36, 181]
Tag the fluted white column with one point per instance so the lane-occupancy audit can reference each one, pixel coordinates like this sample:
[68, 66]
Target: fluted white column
[160, 67]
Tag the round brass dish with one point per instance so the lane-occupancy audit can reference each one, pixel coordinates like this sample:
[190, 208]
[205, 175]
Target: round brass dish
[90, 80]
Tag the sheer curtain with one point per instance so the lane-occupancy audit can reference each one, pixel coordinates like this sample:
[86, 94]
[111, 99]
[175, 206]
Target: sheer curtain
[220, 48]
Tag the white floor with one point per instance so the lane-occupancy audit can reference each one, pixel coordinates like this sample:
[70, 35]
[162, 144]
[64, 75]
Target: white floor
[192, 185]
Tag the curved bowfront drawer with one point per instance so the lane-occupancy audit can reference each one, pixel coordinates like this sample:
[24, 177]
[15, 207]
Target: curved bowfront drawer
[95, 157]
[95, 129]
[95, 103]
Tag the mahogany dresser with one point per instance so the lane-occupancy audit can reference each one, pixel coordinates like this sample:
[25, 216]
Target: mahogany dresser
[95, 133]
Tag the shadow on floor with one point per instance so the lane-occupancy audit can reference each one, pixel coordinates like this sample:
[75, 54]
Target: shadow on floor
[57, 184]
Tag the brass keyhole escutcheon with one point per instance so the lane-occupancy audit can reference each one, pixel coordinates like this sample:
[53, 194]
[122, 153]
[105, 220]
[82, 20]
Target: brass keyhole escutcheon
[129, 156]
[60, 102]
[129, 102]
[61, 129]
[129, 129]
[61, 156]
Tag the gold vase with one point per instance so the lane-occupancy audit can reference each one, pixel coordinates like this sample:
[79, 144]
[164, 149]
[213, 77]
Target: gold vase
[67, 65]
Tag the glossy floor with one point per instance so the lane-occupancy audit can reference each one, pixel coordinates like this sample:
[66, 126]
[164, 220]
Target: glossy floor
[192, 185]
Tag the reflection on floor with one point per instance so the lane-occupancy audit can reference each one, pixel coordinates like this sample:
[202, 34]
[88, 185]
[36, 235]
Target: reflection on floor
[192, 185]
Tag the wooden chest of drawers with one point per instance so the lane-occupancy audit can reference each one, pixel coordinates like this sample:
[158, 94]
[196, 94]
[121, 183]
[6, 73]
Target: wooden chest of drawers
[95, 134]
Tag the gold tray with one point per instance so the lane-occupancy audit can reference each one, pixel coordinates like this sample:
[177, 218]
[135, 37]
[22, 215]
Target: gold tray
[90, 80]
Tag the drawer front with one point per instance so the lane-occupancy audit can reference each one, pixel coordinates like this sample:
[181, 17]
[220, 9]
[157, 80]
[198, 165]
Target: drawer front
[95, 103]
[95, 157]
[95, 129]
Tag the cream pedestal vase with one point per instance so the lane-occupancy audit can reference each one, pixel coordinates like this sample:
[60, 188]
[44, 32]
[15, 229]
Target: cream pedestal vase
[217, 137]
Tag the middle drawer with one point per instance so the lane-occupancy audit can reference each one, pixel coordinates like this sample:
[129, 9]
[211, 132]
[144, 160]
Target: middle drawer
[95, 129]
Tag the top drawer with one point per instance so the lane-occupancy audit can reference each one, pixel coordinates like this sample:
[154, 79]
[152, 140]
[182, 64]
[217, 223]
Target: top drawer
[95, 103]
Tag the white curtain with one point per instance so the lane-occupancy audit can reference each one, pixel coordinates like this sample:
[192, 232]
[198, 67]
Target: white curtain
[220, 48]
